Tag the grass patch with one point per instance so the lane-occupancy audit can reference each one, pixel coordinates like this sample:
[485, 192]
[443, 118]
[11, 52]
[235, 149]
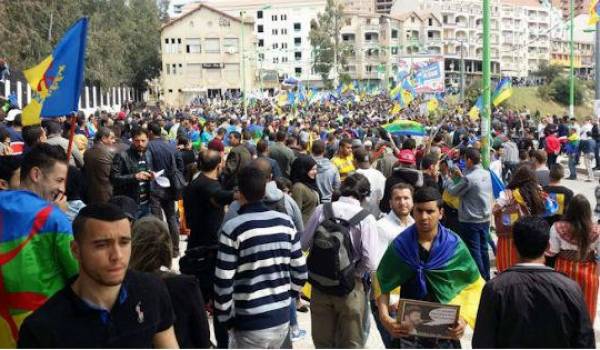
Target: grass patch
[528, 97]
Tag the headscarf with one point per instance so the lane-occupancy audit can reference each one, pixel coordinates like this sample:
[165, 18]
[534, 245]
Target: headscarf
[299, 172]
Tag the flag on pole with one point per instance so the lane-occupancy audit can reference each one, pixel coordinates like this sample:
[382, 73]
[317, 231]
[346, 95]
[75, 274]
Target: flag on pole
[56, 82]
[474, 112]
[503, 91]
[594, 12]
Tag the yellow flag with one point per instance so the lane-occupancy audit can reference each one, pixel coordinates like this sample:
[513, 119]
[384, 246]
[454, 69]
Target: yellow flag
[432, 105]
[35, 78]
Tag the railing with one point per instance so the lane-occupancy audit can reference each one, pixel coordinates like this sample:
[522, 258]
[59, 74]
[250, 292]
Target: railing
[90, 99]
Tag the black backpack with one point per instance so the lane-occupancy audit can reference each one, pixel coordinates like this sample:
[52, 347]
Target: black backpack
[331, 259]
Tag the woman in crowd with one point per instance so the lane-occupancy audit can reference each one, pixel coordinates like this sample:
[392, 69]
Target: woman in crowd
[523, 197]
[152, 251]
[304, 189]
[575, 242]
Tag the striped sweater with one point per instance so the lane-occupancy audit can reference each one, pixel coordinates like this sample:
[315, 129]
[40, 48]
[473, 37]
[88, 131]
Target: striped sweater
[259, 266]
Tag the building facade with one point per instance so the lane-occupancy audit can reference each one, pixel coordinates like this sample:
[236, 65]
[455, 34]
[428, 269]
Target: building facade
[579, 7]
[201, 55]
[383, 6]
[520, 30]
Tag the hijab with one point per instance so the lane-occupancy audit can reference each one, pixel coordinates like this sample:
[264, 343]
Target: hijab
[299, 172]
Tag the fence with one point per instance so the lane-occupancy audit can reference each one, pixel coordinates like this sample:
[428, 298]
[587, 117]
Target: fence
[91, 98]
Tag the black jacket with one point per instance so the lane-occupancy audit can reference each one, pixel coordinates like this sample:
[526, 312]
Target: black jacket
[532, 307]
[191, 322]
[123, 170]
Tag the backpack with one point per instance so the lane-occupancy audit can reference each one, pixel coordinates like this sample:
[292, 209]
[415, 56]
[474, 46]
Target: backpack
[331, 259]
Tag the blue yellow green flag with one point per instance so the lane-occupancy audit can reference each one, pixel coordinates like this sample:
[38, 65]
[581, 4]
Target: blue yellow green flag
[56, 82]
[503, 91]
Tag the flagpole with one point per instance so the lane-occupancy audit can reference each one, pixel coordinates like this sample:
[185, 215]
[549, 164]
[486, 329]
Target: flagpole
[486, 110]
[571, 64]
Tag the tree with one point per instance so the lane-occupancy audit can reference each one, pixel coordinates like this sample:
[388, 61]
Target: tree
[324, 39]
[561, 91]
[548, 72]
[123, 37]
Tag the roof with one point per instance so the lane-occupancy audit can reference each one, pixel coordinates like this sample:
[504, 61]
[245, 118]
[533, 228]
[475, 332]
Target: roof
[405, 16]
[210, 8]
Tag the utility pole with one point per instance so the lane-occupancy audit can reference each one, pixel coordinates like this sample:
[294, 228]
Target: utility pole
[386, 84]
[335, 50]
[597, 63]
[571, 68]
[242, 66]
[486, 111]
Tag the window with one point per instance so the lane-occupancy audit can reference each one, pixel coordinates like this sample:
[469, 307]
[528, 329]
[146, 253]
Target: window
[170, 91]
[261, 56]
[275, 59]
[283, 31]
[348, 21]
[284, 59]
[368, 20]
[284, 45]
[194, 70]
[298, 70]
[430, 35]
[274, 31]
[370, 36]
[430, 21]
[274, 18]
[259, 14]
[275, 46]
[445, 19]
[369, 68]
[231, 44]
[212, 45]
[412, 20]
[297, 55]
[261, 42]
[297, 27]
[395, 50]
[283, 17]
[394, 34]
[168, 66]
[174, 69]
[297, 41]
[260, 28]
[193, 45]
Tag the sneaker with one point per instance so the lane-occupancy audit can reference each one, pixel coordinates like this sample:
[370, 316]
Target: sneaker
[298, 334]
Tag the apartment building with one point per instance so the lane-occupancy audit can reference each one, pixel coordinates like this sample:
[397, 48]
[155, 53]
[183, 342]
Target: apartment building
[579, 7]
[282, 32]
[383, 6]
[520, 31]
[201, 55]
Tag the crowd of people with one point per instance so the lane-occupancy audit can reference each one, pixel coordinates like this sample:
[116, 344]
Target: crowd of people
[278, 206]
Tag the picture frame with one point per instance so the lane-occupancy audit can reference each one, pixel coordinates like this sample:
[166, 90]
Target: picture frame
[430, 320]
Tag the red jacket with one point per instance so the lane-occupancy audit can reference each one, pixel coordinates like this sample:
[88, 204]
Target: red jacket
[552, 144]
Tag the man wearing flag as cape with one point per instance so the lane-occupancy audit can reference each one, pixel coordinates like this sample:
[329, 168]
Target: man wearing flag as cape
[431, 263]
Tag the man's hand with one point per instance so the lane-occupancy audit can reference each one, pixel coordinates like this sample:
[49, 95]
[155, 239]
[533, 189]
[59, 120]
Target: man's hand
[143, 176]
[60, 199]
[458, 330]
[396, 329]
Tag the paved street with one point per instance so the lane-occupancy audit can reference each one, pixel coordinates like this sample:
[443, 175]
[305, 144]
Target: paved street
[374, 341]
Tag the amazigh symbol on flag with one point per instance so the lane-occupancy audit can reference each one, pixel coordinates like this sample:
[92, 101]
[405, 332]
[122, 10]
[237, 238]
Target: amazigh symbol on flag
[56, 82]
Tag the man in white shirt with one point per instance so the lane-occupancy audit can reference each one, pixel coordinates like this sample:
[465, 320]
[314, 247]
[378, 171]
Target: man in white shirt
[388, 227]
[376, 179]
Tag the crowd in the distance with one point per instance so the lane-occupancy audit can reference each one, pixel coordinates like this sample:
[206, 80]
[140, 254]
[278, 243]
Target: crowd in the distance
[257, 205]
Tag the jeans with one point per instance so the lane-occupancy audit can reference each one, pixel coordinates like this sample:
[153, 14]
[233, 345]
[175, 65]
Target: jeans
[143, 210]
[270, 338]
[597, 153]
[572, 166]
[475, 236]
[386, 338]
[158, 206]
[221, 334]
[551, 159]
[587, 161]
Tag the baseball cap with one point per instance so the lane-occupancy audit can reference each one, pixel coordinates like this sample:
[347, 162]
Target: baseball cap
[407, 156]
